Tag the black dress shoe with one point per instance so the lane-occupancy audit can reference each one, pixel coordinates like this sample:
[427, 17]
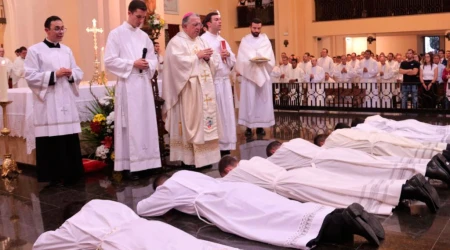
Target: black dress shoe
[436, 171]
[132, 176]
[260, 131]
[443, 161]
[54, 184]
[248, 132]
[361, 223]
[446, 154]
[417, 188]
[224, 152]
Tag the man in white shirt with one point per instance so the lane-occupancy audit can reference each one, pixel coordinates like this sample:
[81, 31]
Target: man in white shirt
[7, 62]
[249, 211]
[368, 71]
[295, 74]
[284, 68]
[18, 70]
[325, 61]
[384, 78]
[354, 63]
[316, 90]
[305, 64]
[343, 74]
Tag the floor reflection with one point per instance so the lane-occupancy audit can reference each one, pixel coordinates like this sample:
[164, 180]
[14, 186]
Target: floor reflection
[27, 209]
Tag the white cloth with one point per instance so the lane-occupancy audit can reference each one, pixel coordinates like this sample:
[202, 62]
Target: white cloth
[55, 111]
[299, 153]
[110, 225]
[428, 72]
[369, 81]
[255, 106]
[378, 196]
[355, 65]
[316, 88]
[240, 208]
[283, 71]
[21, 111]
[9, 66]
[135, 130]
[326, 63]
[296, 74]
[18, 73]
[344, 78]
[378, 143]
[305, 66]
[387, 86]
[224, 95]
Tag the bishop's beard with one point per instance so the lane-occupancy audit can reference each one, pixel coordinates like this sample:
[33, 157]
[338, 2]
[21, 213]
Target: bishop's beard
[255, 34]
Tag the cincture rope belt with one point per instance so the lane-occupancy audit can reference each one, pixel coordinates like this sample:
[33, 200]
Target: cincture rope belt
[198, 214]
[99, 247]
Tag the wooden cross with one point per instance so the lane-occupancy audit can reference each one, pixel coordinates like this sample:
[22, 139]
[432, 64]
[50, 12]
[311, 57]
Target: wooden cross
[94, 30]
[64, 110]
[207, 100]
[204, 76]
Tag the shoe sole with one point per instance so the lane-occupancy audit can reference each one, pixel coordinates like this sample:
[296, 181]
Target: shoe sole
[441, 165]
[358, 211]
[422, 183]
[360, 223]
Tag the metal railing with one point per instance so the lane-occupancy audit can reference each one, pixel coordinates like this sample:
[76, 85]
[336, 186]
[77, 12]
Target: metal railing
[245, 14]
[328, 10]
[366, 97]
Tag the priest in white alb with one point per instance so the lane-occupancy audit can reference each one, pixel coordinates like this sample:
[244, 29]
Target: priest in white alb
[54, 84]
[368, 71]
[18, 70]
[385, 81]
[257, 214]
[377, 196]
[224, 95]
[190, 104]
[316, 89]
[135, 129]
[102, 224]
[7, 62]
[255, 62]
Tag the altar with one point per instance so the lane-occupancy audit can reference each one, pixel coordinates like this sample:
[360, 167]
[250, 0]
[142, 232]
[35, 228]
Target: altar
[22, 142]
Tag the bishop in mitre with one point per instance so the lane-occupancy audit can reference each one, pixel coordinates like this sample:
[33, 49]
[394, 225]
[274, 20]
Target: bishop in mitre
[189, 94]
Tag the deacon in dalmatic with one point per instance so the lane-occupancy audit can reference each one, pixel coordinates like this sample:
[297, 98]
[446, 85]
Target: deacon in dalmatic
[190, 99]
[378, 196]
[257, 214]
[130, 56]
[224, 95]
[256, 107]
[53, 77]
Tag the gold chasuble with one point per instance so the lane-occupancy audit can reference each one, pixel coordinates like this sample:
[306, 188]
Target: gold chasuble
[190, 107]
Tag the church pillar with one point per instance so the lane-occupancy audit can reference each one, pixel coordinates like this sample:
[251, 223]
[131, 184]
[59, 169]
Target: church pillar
[373, 45]
[447, 40]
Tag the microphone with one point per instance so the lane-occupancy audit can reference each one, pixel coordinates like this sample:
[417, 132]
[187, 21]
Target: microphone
[144, 55]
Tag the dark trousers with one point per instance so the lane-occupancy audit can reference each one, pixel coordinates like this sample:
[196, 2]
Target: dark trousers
[58, 158]
[428, 97]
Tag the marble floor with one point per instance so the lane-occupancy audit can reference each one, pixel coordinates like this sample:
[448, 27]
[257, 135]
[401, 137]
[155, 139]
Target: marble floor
[27, 209]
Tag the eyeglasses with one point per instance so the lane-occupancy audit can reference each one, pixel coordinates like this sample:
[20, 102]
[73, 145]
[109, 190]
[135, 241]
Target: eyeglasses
[60, 29]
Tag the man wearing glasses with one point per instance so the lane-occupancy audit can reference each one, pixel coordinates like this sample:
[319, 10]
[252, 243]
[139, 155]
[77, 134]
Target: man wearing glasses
[189, 92]
[53, 77]
[130, 55]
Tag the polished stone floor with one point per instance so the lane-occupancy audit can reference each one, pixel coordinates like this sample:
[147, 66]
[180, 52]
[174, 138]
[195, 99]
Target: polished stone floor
[27, 209]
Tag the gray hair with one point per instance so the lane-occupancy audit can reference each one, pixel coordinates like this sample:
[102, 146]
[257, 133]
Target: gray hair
[185, 19]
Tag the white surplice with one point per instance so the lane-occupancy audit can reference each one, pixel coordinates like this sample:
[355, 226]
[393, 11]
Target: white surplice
[190, 102]
[387, 86]
[9, 66]
[299, 153]
[344, 78]
[18, 73]
[326, 63]
[135, 129]
[283, 71]
[224, 95]
[368, 81]
[297, 74]
[110, 225]
[305, 66]
[378, 196]
[355, 65]
[256, 105]
[240, 208]
[316, 87]
[55, 110]
[379, 143]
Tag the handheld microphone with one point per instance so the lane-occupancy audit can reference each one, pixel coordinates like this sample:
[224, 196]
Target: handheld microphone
[144, 55]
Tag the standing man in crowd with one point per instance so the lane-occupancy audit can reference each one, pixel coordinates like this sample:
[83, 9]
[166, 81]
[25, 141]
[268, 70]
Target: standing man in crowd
[224, 95]
[325, 61]
[367, 71]
[54, 84]
[256, 107]
[129, 55]
[18, 70]
[410, 71]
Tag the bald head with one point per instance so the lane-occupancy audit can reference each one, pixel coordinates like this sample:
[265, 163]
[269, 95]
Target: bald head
[160, 180]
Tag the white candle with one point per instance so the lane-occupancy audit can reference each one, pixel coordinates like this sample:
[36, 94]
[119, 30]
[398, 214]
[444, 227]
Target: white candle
[102, 59]
[3, 82]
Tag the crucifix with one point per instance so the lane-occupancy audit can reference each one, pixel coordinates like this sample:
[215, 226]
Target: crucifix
[94, 30]
[204, 76]
[64, 110]
[207, 99]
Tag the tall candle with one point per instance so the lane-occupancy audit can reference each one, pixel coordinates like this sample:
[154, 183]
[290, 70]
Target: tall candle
[102, 59]
[3, 82]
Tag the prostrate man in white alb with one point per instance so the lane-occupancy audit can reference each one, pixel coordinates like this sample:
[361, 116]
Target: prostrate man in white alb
[18, 70]
[367, 71]
[54, 84]
[254, 213]
[102, 224]
[256, 106]
[129, 55]
[381, 143]
[377, 196]
[190, 98]
[224, 95]
[299, 153]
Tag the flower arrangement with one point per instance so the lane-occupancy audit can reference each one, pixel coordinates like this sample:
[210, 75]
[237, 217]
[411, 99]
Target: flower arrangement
[100, 129]
[155, 24]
